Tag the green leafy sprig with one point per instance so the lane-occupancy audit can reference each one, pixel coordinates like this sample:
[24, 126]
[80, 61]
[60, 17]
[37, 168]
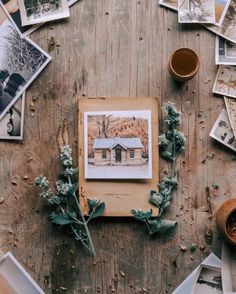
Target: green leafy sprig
[67, 212]
[171, 144]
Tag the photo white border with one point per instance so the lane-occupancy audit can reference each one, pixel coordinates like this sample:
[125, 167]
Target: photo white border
[217, 52]
[175, 8]
[219, 23]
[194, 21]
[36, 73]
[20, 137]
[230, 120]
[25, 21]
[222, 114]
[149, 117]
[215, 82]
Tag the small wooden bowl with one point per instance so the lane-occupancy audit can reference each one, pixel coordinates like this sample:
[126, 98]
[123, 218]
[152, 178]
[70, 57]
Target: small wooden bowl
[184, 64]
[222, 216]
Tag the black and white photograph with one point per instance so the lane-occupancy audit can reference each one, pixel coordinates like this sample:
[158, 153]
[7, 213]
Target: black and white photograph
[21, 61]
[208, 281]
[40, 11]
[225, 81]
[11, 125]
[222, 131]
[12, 7]
[196, 11]
[228, 28]
[118, 145]
[225, 52]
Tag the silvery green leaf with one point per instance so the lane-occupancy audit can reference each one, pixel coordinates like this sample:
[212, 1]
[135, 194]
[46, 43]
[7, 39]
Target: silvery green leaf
[141, 215]
[96, 208]
[156, 198]
[61, 219]
[166, 155]
[166, 204]
[160, 225]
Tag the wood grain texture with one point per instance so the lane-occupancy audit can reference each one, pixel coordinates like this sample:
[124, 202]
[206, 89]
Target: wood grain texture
[114, 48]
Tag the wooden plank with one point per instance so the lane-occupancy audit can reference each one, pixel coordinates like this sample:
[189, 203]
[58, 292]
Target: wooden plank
[114, 48]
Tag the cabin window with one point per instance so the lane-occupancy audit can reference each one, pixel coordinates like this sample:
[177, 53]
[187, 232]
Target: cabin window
[104, 153]
[132, 154]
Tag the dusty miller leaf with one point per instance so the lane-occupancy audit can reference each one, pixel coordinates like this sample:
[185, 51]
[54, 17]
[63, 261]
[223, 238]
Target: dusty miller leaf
[61, 219]
[141, 215]
[156, 198]
[160, 225]
[96, 208]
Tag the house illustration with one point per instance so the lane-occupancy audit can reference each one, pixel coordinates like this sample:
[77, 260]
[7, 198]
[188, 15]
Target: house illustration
[118, 151]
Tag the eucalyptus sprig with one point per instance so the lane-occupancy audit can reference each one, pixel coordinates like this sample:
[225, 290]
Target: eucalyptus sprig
[66, 209]
[171, 144]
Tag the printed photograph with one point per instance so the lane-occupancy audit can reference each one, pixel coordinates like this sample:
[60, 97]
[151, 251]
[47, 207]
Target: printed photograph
[228, 27]
[196, 11]
[225, 82]
[225, 52]
[11, 125]
[172, 4]
[39, 11]
[21, 61]
[209, 281]
[230, 104]
[222, 131]
[12, 7]
[117, 145]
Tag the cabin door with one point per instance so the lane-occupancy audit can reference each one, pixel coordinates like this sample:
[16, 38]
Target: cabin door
[118, 154]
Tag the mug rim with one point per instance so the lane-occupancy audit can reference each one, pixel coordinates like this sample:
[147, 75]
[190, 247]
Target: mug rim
[225, 226]
[197, 62]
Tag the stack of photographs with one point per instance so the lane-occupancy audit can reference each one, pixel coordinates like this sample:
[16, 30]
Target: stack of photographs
[21, 61]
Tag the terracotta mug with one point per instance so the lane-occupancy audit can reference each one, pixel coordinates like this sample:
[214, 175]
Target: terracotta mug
[225, 217]
[183, 64]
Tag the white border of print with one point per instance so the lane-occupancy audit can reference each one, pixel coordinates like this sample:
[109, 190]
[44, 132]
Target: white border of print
[223, 115]
[227, 108]
[86, 114]
[228, 59]
[26, 21]
[20, 137]
[219, 23]
[216, 79]
[36, 74]
[162, 3]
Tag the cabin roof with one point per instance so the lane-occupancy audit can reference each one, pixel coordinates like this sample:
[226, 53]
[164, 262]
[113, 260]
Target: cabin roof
[105, 143]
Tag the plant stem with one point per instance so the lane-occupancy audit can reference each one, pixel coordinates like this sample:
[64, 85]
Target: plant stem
[85, 225]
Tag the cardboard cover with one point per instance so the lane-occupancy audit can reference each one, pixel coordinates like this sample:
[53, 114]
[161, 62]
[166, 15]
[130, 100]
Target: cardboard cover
[120, 196]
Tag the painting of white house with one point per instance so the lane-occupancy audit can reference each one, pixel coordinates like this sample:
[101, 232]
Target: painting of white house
[117, 145]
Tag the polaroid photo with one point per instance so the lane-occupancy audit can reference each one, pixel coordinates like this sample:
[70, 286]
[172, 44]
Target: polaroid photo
[196, 11]
[227, 30]
[12, 8]
[222, 131]
[187, 285]
[172, 4]
[21, 61]
[118, 145]
[230, 104]
[11, 125]
[208, 281]
[225, 82]
[36, 11]
[225, 52]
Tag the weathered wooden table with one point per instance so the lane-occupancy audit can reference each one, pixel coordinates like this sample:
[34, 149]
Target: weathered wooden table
[114, 48]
